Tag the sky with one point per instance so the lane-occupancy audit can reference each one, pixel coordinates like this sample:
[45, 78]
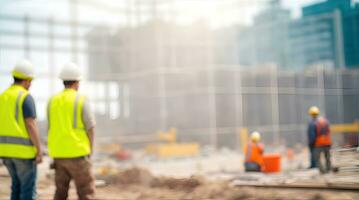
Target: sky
[217, 12]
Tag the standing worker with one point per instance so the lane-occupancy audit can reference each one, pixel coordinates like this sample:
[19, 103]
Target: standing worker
[319, 139]
[254, 154]
[313, 112]
[20, 146]
[71, 134]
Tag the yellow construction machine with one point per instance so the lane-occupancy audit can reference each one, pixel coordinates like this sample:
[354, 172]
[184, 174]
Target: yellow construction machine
[345, 128]
[351, 137]
[168, 146]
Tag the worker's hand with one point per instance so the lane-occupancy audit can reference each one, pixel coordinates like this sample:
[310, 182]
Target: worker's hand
[38, 158]
[91, 153]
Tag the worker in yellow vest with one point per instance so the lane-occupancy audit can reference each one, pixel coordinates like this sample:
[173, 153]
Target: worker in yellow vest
[20, 146]
[70, 139]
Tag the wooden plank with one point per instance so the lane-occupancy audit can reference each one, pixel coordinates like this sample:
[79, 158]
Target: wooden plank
[302, 186]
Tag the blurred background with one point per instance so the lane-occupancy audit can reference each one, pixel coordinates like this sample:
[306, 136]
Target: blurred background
[207, 68]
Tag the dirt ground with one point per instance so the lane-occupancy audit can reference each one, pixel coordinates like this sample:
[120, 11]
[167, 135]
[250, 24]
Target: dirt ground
[139, 184]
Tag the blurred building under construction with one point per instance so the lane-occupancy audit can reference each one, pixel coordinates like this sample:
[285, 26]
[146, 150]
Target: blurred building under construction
[206, 82]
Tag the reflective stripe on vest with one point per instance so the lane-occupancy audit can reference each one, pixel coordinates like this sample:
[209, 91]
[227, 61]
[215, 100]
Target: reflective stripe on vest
[75, 110]
[67, 135]
[17, 105]
[14, 137]
[15, 140]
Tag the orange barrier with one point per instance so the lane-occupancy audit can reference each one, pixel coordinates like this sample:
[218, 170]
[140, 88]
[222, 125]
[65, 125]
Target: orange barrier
[271, 163]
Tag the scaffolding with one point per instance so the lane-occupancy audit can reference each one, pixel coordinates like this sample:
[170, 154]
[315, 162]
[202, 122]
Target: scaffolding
[151, 74]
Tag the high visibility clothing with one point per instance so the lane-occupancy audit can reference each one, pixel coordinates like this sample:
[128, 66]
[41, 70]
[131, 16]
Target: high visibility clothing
[67, 135]
[14, 138]
[322, 133]
[254, 153]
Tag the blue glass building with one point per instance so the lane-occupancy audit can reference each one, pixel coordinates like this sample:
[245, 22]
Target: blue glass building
[327, 32]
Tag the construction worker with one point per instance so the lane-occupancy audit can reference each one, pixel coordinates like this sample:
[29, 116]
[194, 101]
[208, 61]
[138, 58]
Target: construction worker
[319, 139]
[71, 134]
[313, 112]
[254, 154]
[20, 146]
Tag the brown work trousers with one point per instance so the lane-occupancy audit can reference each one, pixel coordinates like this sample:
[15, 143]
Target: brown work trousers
[78, 169]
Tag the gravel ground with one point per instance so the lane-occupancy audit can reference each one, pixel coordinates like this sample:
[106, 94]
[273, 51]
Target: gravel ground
[139, 184]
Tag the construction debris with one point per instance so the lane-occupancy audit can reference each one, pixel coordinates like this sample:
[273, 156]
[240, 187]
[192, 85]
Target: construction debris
[147, 186]
[130, 176]
[308, 179]
[347, 160]
[139, 184]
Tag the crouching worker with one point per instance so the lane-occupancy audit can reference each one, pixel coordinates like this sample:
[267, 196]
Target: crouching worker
[254, 154]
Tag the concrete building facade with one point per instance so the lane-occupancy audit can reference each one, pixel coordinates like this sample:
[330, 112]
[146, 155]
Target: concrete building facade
[173, 76]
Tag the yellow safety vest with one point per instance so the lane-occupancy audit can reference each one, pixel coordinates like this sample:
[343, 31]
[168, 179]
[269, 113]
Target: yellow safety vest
[14, 138]
[67, 135]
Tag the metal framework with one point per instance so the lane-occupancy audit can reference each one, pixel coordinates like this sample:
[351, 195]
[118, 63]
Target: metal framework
[207, 102]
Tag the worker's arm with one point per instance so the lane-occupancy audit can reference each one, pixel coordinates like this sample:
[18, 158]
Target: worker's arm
[29, 114]
[89, 122]
[91, 134]
[34, 137]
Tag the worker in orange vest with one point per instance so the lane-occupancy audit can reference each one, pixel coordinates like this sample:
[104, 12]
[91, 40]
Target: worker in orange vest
[254, 154]
[319, 139]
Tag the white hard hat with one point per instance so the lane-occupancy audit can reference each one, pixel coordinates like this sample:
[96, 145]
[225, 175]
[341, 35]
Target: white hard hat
[23, 70]
[255, 136]
[70, 72]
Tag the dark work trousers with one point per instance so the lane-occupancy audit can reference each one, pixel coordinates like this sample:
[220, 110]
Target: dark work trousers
[318, 151]
[312, 158]
[252, 167]
[78, 169]
[23, 178]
